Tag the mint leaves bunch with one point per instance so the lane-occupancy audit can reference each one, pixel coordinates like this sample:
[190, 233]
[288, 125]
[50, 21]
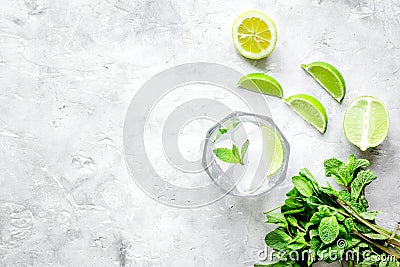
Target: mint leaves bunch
[320, 223]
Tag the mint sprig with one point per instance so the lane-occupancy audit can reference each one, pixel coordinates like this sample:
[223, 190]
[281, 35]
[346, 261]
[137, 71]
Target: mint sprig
[232, 155]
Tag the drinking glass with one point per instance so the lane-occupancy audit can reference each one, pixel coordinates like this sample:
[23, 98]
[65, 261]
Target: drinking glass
[254, 171]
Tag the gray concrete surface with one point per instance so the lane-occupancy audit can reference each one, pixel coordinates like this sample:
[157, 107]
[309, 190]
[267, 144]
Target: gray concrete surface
[68, 71]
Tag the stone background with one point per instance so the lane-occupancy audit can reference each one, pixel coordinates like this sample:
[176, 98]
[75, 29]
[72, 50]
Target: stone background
[68, 71]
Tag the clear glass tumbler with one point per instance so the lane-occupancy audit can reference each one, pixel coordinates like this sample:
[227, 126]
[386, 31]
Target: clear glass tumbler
[246, 154]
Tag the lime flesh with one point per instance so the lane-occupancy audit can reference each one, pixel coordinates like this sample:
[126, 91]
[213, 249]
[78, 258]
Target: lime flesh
[310, 109]
[262, 83]
[328, 77]
[366, 122]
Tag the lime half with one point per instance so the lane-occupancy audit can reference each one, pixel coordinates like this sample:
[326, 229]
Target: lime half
[261, 83]
[328, 77]
[254, 35]
[273, 144]
[366, 122]
[310, 109]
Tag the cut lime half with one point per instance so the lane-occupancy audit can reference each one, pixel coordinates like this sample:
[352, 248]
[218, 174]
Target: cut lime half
[273, 143]
[328, 77]
[310, 109]
[261, 83]
[254, 35]
[366, 122]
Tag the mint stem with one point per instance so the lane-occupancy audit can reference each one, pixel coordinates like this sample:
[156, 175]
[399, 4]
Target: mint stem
[396, 228]
[388, 251]
[350, 210]
[271, 210]
[370, 225]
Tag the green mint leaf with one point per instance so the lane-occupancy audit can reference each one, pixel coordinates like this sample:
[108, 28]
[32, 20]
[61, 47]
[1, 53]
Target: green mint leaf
[293, 205]
[225, 155]
[363, 202]
[323, 211]
[292, 221]
[363, 245]
[305, 188]
[293, 202]
[313, 233]
[277, 239]
[331, 165]
[375, 236]
[223, 130]
[236, 153]
[346, 176]
[350, 162]
[363, 179]
[288, 211]
[244, 149]
[357, 207]
[345, 195]
[339, 217]
[315, 243]
[277, 218]
[314, 202]
[330, 191]
[353, 164]
[297, 245]
[369, 215]
[338, 171]
[349, 224]
[307, 174]
[328, 229]
[343, 232]
[354, 241]
[393, 263]
[362, 228]
[293, 193]
[220, 132]
[369, 261]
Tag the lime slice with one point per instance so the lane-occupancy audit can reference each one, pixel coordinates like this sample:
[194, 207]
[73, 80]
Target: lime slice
[310, 109]
[261, 83]
[273, 143]
[254, 35]
[366, 122]
[328, 77]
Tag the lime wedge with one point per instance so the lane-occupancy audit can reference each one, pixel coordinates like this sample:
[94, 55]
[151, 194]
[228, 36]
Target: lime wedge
[328, 77]
[254, 35]
[310, 109]
[366, 122]
[261, 83]
[273, 143]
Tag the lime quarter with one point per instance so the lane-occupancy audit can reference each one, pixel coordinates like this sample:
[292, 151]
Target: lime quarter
[262, 83]
[310, 109]
[273, 143]
[328, 77]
